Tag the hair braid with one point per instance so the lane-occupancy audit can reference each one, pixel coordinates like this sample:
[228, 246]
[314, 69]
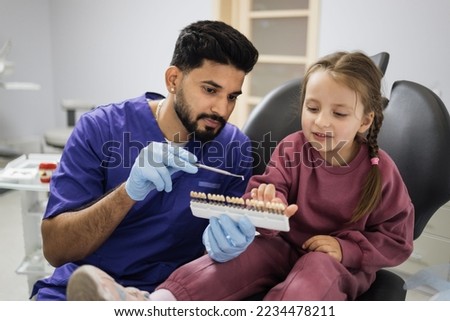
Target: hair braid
[372, 134]
[371, 192]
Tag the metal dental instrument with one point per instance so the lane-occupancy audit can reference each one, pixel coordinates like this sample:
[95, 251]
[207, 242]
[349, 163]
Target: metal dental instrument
[220, 171]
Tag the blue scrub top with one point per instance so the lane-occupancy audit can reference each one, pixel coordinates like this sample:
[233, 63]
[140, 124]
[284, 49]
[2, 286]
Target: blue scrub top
[159, 233]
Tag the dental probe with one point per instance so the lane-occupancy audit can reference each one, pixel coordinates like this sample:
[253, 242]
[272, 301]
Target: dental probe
[220, 171]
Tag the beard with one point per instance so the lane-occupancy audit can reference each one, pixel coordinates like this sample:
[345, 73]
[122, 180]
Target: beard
[183, 111]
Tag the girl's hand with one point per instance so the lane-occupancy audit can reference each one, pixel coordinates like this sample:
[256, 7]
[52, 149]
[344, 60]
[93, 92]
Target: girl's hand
[326, 244]
[266, 193]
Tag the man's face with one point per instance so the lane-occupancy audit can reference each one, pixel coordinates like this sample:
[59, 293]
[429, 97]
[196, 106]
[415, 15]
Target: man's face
[206, 98]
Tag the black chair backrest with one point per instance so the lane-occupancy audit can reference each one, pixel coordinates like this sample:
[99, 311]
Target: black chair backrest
[275, 117]
[381, 60]
[416, 134]
[278, 115]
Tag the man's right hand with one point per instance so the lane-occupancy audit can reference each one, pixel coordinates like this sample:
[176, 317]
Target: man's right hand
[154, 166]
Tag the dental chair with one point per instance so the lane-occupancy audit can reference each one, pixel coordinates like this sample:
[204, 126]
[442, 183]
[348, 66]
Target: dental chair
[416, 134]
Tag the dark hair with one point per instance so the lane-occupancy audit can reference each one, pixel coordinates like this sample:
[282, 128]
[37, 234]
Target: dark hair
[215, 41]
[357, 71]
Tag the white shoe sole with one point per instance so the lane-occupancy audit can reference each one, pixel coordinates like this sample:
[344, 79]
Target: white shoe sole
[85, 285]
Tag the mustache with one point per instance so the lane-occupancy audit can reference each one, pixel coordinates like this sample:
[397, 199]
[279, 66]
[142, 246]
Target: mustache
[213, 117]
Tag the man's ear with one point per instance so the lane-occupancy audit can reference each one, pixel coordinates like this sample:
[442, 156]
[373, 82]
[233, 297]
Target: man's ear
[366, 122]
[173, 78]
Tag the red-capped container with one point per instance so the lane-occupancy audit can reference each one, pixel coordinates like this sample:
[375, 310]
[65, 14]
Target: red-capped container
[46, 171]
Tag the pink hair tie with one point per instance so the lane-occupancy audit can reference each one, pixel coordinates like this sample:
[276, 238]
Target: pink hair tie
[374, 161]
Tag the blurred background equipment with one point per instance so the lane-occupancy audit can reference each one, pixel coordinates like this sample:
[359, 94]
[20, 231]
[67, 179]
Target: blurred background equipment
[7, 68]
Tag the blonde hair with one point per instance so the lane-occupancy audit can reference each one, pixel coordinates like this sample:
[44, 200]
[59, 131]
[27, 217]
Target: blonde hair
[357, 71]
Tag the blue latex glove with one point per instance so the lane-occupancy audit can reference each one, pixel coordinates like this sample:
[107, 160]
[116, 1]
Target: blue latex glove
[225, 239]
[154, 166]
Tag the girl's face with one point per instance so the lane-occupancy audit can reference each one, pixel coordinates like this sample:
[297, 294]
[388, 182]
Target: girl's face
[332, 115]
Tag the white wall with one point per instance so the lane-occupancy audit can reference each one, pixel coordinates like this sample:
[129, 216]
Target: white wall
[414, 32]
[27, 24]
[106, 51]
[99, 51]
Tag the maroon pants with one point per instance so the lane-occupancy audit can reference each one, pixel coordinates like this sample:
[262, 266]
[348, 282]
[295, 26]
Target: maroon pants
[271, 266]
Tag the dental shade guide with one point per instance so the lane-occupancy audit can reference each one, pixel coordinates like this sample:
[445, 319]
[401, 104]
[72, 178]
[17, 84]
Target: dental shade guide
[268, 215]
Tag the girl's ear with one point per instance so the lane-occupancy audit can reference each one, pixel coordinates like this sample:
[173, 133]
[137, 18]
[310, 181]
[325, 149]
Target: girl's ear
[366, 122]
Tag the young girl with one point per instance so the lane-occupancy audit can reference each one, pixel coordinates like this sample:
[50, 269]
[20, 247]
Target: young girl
[350, 210]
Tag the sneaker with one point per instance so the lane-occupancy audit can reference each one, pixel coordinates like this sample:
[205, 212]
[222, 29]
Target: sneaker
[89, 283]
